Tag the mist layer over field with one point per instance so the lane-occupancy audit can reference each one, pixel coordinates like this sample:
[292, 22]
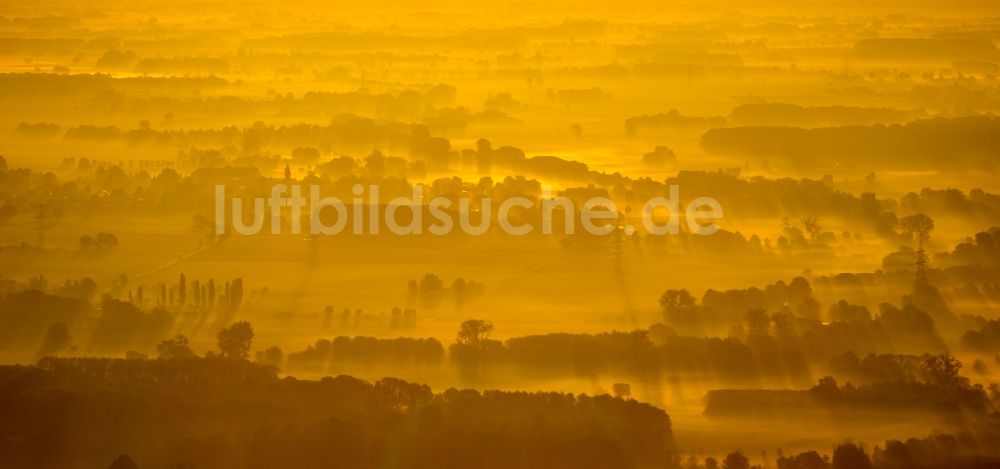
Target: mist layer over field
[844, 312]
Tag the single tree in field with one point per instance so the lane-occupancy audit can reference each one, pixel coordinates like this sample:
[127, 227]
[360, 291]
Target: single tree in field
[678, 306]
[234, 341]
[472, 347]
[86, 242]
[473, 332]
[106, 241]
[811, 225]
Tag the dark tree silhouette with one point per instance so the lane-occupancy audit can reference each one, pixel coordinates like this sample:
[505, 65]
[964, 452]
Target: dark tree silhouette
[272, 356]
[622, 390]
[182, 290]
[473, 331]
[736, 460]
[234, 341]
[917, 226]
[178, 347]
[848, 455]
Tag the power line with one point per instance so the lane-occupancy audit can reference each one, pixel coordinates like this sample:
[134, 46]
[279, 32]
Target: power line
[618, 249]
